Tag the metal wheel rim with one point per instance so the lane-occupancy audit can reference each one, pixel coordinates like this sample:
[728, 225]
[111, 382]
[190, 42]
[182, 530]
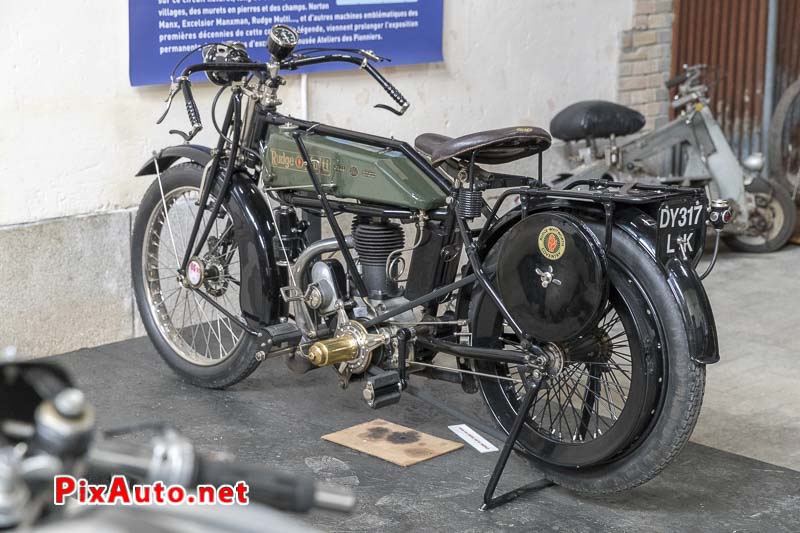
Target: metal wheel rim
[773, 211]
[203, 336]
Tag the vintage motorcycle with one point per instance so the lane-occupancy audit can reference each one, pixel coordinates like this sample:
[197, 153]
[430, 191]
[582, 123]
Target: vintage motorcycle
[764, 215]
[577, 314]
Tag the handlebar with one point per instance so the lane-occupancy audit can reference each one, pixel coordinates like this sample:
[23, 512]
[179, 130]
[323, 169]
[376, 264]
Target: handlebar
[677, 80]
[691, 74]
[391, 90]
[183, 84]
[171, 459]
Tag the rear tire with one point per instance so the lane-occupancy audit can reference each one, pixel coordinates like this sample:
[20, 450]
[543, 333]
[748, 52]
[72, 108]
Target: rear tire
[635, 276]
[175, 343]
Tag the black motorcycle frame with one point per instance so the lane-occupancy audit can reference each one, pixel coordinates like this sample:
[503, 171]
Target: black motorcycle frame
[623, 209]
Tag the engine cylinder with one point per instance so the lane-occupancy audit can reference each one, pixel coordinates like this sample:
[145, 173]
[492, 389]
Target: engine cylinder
[375, 240]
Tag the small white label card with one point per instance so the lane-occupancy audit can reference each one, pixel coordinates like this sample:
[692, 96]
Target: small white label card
[473, 438]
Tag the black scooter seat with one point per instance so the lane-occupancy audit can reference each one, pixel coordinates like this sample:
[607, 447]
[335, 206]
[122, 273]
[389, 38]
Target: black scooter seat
[595, 119]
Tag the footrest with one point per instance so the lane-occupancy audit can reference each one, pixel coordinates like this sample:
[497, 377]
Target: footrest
[283, 334]
[382, 389]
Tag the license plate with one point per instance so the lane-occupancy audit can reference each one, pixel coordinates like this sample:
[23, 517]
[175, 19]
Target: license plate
[681, 228]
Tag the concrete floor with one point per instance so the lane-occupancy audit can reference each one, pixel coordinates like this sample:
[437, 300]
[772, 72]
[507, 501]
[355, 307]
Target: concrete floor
[752, 402]
[750, 409]
[275, 419]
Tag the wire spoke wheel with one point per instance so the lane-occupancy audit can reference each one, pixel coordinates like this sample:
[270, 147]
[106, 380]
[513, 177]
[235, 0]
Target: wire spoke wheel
[586, 398]
[598, 404]
[196, 330]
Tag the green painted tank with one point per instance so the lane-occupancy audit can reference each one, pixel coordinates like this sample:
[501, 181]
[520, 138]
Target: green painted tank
[348, 170]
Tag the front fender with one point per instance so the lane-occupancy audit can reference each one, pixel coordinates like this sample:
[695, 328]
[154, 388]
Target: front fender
[685, 285]
[259, 295]
[168, 156]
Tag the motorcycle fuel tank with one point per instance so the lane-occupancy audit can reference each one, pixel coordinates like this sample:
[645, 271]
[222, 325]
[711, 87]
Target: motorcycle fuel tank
[348, 170]
[551, 273]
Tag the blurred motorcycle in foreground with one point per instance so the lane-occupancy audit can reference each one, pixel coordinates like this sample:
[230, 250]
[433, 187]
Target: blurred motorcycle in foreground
[47, 447]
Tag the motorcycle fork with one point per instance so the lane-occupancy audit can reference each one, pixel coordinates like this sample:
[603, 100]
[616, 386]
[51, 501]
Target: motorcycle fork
[233, 118]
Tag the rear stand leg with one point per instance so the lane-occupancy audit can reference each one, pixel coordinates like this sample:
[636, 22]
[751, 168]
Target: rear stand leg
[489, 500]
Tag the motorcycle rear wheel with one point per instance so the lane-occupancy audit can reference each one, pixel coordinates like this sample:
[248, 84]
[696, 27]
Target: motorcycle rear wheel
[627, 443]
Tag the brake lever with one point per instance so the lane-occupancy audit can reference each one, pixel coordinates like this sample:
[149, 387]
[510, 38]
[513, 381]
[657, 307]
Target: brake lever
[399, 113]
[174, 88]
[187, 136]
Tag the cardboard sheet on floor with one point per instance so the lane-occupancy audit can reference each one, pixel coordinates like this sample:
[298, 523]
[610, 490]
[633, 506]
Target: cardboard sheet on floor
[391, 442]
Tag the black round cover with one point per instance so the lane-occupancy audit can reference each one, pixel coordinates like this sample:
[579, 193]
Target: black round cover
[559, 244]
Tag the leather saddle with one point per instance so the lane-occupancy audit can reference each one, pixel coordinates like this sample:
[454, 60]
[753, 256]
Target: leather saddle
[492, 147]
[595, 119]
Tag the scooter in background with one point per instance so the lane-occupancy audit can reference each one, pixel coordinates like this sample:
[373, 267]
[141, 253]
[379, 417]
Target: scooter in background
[764, 214]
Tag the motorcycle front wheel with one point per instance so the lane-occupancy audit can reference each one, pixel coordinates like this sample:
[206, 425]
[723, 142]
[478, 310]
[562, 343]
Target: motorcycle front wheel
[201, 344]
[617, 416]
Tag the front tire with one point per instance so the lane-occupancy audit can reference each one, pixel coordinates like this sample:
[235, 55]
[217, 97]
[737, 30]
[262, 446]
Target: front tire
[654, 427]
[199, 343]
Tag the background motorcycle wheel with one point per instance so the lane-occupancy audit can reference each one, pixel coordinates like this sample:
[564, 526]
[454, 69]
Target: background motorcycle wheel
[776, 212]
[644, 400]
[784, 140]
[198, 342]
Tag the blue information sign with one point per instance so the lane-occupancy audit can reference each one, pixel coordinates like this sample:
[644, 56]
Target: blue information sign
[163, 31]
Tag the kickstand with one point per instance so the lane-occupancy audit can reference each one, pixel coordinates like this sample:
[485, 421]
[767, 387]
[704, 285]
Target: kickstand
[489, 499]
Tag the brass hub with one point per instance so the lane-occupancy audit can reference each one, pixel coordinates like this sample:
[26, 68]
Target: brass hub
[333, 351]
[353, 345]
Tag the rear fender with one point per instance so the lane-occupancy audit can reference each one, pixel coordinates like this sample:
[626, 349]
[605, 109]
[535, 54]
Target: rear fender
[684, 283]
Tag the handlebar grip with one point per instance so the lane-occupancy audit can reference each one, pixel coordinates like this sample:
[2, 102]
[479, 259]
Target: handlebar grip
[677, 80]
[191, 105]
[396, 95]
[287, 492]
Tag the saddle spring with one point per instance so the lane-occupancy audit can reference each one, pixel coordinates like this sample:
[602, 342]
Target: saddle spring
[470, 203]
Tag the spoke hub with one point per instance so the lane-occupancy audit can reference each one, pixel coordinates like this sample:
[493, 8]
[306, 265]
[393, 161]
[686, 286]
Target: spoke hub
[216, 279]
[596, 347]
[195, 273]
[555, 359]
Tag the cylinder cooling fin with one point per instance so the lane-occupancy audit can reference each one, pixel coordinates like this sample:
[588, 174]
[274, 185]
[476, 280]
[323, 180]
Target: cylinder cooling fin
[375, 240]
